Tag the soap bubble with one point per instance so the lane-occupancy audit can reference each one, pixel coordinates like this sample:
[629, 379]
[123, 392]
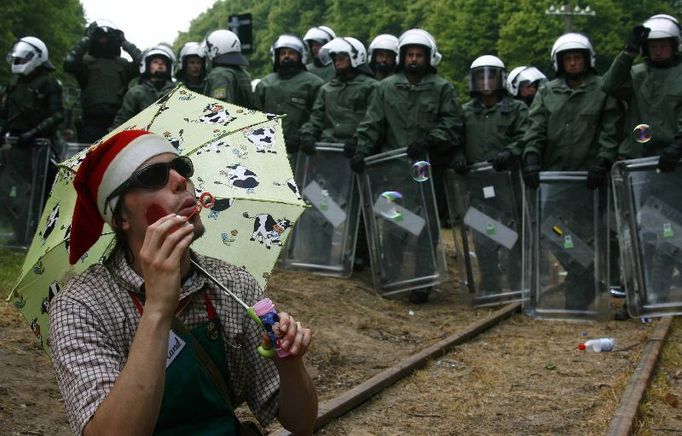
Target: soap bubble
[387, 204]
[420, 171]
[642, 133]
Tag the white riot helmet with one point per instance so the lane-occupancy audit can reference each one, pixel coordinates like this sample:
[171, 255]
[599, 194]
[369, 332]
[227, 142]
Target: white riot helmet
[348, 45]
[287, 41]
[101, 26]
[663, 26]
[487, 73]
[422, 38]
[523, 75]
[383, 42]
[223, 46]
[568, 42]
[163, 50]
[320, 34]
[191, 49]
[28, 54]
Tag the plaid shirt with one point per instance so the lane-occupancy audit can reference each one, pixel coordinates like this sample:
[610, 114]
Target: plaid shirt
[93, 322]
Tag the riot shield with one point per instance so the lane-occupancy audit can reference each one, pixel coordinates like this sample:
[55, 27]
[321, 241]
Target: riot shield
[649, 217]
[568, 248]
[73, 148]
[23, 175]
[488, 204]
[324, 238]
[405, 246]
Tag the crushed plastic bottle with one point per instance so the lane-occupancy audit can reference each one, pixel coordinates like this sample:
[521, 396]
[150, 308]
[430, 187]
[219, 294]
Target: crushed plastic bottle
[598, 345]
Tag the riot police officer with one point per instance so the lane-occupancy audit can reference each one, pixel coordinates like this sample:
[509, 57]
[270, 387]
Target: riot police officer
[290, 89]
[383, 52]
[342, 102]
[651, 89]
[574, 126]
[192, 67]
[494, 125]
[316, 37]
[155, 82]
[103, 76]
[523, 83]
[228, 80]
[417, 109]
[30, 108]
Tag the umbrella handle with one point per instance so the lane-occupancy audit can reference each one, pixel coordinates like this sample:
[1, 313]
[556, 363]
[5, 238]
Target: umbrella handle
[268, 353]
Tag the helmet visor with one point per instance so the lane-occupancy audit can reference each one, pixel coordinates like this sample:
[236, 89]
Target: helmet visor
[21, 53]
[486, 79]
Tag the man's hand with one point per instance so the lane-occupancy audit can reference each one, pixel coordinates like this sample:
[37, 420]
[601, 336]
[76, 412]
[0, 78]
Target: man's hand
[459, 164]
[295, 338]
[598, 174]
[417, 150]
[357, 163]
[502, 160]
[531, 170]
[292, 143]
[350, 146]
[165, 243]
[636, 38]
[27, 138]
[306, 143]
[670, 156]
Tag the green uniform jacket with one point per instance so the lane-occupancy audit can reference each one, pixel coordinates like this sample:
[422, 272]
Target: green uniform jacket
[326, 72]
[197, 87]
[339, 107]
[139, 97]
[35, 103]
[401, 114]
[103, 81]
[489, 130]
[654, 97]
[230, 84]
[571, 128]
[293, 96]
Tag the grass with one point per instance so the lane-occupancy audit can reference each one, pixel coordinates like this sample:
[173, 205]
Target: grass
[10, 264]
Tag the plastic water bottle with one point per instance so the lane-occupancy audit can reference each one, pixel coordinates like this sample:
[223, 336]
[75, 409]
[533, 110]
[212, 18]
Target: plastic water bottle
[598, 345]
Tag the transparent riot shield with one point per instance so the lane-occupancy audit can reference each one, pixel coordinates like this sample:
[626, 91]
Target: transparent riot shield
[405, 246]
[649, 216]
[568, 248]
[324, 238]
[488, 204]
[73, 148]
[23, 175]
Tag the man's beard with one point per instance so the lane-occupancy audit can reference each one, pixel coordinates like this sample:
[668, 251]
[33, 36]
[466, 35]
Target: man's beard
[384, 68]
[416, 69]
[287, 67]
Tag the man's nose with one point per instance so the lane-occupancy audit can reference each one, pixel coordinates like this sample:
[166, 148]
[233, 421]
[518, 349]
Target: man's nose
[176, 181]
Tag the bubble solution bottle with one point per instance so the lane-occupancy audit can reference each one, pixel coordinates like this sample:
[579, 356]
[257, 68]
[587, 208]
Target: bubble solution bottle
[598, 345]
[265, 310]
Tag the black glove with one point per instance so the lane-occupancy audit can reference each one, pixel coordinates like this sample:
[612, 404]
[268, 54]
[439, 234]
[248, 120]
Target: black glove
[531, 170]
[350, 146]
[27, 138]
[292, 143]
[306, 142]
[118, 36]
[357, 163]
[502, 160]
[459, 164]
[597, 175]
[669, 158]
[637, 36]
[90, 30]
[417, 150]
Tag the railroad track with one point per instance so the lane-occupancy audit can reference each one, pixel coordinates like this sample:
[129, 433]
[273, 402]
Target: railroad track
[621, 423]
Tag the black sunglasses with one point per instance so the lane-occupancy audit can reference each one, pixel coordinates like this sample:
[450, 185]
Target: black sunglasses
[154, 176]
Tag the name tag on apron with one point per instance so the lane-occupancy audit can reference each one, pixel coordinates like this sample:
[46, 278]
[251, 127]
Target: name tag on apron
[175, 346]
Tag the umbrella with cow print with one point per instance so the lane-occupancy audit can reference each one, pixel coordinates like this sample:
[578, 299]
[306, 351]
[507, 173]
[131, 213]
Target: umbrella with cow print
[239, 157]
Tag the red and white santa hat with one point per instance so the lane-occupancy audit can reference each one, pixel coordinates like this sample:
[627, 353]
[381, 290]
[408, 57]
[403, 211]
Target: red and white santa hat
[102, 171]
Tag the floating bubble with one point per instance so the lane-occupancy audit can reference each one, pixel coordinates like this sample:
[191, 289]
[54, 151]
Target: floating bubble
[420, 171]
[387, 204]
[642, 133]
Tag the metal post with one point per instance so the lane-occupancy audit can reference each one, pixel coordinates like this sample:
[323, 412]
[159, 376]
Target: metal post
[568, 12]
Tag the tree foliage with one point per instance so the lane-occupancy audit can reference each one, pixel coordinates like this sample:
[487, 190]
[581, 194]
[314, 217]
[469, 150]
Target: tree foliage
[519, 32]
[58, 23]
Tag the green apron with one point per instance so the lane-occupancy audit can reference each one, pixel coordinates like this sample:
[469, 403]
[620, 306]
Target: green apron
[192, 401]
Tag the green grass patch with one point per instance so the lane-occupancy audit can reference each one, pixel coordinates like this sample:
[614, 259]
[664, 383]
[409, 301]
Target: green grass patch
[10, 265]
